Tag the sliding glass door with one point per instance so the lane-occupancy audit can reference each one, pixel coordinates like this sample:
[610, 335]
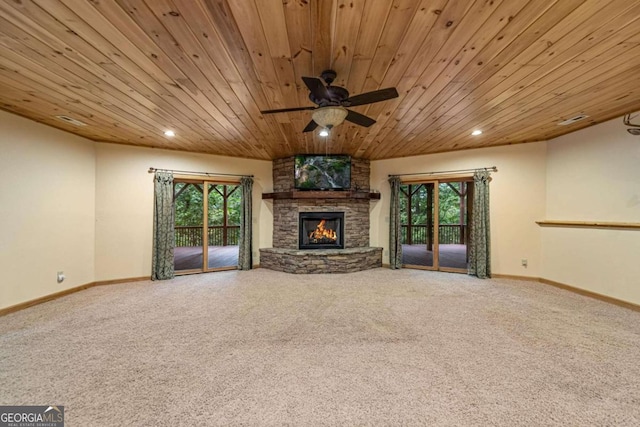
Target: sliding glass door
[434, 224]
[223, 213]
[417, 215]
[453, 225]
[207, 222]
[188, 255]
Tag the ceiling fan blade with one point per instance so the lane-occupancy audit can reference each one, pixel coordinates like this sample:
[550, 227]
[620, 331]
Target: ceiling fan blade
[359, 119]
[371, 97]
[311, 126]
[286, 110]
[317, 88]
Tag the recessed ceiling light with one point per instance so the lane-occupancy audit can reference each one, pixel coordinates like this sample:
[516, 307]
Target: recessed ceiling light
[476, 132]
[169, 133]
[573, 120]
[71, 120]
[324, 132]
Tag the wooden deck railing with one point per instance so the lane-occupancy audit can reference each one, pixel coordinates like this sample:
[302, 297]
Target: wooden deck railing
[218, 235]
[447, 234]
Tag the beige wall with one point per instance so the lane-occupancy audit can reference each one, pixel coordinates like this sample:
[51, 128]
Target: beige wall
[594, 175]
[47, 209]
[69, 204]
[124, 203]
[517, 199]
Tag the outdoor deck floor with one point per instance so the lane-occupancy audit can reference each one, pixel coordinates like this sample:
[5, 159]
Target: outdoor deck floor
[190, 257]
[451, 256]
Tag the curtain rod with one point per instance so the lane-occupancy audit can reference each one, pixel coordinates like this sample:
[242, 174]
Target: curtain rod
[492, 168]
[152, 170]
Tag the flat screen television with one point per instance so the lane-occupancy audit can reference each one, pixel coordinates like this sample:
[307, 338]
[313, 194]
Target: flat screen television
[315, 172]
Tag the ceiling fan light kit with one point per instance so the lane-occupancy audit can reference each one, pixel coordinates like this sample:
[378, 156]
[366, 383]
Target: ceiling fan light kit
[328, 117]
[635, 128]
[332, 101]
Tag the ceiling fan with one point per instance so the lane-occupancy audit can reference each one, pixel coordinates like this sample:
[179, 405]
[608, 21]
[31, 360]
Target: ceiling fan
[635, 128]
[332, 101]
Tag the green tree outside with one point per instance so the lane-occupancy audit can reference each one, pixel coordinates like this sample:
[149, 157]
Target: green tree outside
[189, 205]
[449, 204]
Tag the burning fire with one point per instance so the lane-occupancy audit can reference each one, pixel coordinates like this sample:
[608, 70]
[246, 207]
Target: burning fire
[322, 233]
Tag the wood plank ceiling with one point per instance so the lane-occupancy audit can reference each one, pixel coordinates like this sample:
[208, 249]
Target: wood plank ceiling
[130, 69]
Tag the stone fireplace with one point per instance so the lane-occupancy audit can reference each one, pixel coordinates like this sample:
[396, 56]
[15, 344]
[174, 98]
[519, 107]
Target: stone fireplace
[298, 214]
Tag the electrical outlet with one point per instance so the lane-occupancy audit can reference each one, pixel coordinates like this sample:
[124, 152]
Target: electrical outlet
[525, 263]
[60, 277]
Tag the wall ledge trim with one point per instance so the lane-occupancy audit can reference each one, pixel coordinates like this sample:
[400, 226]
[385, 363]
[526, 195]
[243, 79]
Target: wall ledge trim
[589, 224]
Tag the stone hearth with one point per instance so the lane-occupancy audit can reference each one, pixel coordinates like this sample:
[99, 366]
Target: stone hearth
[320, 260]
[286, 256]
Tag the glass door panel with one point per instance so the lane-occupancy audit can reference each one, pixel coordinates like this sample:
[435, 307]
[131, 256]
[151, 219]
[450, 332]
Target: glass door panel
[417, 209]
[452, 225]
[223, 225]
[189, 208]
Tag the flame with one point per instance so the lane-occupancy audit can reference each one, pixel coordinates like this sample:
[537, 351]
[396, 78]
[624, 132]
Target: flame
[321, 232]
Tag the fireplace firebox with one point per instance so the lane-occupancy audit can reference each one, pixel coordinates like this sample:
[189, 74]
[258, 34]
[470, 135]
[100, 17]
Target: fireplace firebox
[321, 230]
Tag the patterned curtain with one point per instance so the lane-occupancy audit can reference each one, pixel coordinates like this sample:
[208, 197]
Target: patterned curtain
[163, 227]
[480, 245]
[244, 242]
[395, 246]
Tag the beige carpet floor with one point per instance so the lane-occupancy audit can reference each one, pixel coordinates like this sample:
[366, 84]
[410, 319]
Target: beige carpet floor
[379, 347]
